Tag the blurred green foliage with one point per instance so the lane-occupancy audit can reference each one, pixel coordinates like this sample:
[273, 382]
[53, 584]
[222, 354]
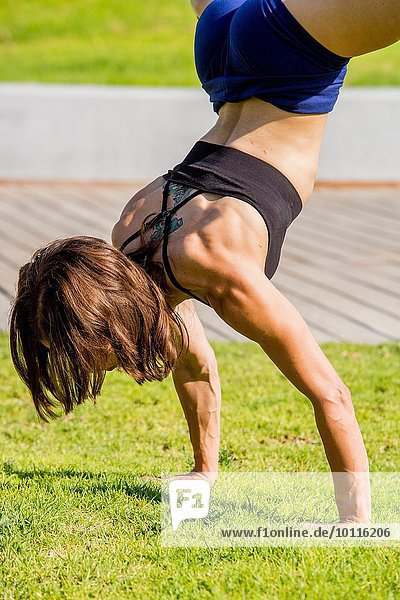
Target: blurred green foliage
[118, 42]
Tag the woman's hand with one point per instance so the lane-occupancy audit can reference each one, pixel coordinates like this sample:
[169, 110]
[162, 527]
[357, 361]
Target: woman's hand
[197, 384]
[209, 476]
[246, 300]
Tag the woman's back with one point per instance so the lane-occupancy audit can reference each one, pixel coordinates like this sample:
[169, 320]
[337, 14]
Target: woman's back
[289, 70]
[207, 228]
[290, 142]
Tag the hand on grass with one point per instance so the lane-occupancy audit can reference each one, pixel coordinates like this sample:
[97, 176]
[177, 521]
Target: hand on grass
[209, 476]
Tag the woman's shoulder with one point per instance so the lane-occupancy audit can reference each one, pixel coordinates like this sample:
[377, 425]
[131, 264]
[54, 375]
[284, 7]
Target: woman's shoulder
[145, 200]
[229, 225]
[225, 233]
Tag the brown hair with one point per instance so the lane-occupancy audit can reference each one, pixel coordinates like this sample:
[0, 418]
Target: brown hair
[84, 297]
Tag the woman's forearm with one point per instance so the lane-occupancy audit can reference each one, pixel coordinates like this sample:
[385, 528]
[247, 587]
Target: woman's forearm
[347, 457]
[200, 397]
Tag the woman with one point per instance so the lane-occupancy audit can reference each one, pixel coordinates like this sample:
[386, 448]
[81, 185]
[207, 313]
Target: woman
[273, 71]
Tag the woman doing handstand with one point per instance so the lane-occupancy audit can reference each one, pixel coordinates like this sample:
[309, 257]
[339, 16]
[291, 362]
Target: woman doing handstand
[212, 229]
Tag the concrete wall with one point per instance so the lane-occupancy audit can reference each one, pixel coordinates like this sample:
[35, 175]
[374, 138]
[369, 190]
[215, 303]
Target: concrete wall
[121, 133]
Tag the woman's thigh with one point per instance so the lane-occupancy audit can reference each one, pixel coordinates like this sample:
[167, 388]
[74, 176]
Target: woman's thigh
[349, 27]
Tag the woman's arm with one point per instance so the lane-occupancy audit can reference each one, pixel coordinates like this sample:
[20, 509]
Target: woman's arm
[197, 384]
[246, 300]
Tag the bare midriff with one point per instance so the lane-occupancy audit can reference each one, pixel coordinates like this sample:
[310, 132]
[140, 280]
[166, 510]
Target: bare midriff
[290, 142]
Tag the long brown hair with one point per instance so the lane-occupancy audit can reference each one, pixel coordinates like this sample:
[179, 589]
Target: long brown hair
[83, 296]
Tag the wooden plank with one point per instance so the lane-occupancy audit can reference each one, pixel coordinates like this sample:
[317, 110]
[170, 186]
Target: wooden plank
[83, 214]
[361, 224]
[320, 334]
[309, 248]
[313, 310]
[358, 226]
[369, 196]
[24, 214]
[8, 258]
[101, 212]
[86, 202]
[57, 224]
[54, 228]
[22, 233]
[368, 277]
[4, 311]
[338, 305]
[364, 213]
[336, 232]
[122, 193]
[377, 275]
[390, 207]
[352, 290]
[9, 276]
[15, 248]
[114, 199]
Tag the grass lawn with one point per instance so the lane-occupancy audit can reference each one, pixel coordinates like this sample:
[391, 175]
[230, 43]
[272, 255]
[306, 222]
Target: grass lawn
[77, 521]
[119, 42]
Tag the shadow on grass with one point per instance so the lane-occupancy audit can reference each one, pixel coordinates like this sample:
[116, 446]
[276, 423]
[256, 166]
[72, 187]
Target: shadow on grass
[86, 481]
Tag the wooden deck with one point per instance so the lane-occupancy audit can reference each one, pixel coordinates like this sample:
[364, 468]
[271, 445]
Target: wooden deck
[340, 264]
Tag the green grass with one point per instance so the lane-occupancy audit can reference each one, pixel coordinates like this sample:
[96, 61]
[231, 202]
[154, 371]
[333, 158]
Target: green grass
[97, 41]
[77, 521]
[119, 42]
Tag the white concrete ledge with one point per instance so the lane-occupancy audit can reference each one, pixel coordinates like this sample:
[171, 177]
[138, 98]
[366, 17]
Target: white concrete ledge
[123, 133]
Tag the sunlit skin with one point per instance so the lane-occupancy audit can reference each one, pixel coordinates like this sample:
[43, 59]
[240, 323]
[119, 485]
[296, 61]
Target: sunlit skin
[227, 271]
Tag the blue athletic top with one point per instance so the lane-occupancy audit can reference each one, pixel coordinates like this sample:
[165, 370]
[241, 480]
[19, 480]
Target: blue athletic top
[246, 48]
